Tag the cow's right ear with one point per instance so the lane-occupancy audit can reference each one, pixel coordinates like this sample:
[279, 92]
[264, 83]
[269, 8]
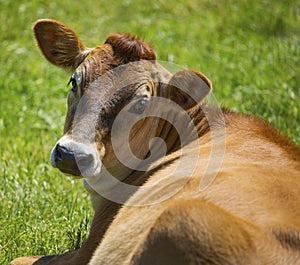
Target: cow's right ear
[59, 44]
[188, 88]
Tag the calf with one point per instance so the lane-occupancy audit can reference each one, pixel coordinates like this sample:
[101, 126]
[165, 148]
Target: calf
[172, 179]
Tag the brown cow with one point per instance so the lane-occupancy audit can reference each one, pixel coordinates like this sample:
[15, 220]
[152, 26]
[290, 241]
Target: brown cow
[221, 188]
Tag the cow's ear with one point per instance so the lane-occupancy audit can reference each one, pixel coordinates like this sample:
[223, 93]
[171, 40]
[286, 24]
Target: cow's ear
[59, 44]
[129, 48]
[188, 88]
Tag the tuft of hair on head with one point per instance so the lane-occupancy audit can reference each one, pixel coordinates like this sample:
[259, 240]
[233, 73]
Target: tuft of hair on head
[129, 48]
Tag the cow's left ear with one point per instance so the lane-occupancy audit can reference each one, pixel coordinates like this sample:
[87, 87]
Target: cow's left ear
[188, 88]
[59, 44]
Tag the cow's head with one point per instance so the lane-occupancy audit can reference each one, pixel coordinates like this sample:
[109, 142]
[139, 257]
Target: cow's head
[114, 85]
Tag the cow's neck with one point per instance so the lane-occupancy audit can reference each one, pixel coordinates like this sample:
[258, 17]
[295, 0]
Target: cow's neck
[174, 138]
[200, 119]
[188, 129]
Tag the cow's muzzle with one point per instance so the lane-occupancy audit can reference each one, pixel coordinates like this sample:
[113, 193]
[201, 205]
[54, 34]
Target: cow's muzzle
[65, 160]
[77, 159]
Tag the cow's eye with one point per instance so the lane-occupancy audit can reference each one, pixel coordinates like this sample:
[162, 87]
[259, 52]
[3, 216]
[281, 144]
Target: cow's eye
[140, 106]
[74, 84]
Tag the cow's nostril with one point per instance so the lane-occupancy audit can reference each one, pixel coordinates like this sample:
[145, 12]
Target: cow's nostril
[62, 153]
[58, 153]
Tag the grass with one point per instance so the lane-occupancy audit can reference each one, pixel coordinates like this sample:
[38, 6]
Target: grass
[249, 49]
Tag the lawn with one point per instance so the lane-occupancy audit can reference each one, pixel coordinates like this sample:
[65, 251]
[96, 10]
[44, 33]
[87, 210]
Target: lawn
[249, 49]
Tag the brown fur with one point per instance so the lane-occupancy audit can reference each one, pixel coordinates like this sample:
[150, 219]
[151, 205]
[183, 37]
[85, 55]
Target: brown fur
[249, 215]
[129, 48]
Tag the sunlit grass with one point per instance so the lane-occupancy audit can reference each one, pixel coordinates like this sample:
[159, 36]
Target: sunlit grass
[249, 49]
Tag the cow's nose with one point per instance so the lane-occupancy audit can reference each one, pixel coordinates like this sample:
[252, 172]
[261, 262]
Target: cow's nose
[65, 160]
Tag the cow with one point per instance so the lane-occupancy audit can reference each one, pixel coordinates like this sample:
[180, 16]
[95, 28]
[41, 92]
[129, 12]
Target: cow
[172, 179]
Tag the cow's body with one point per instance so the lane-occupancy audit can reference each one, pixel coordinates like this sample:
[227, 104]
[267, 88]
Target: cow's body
[250, 212]
[249, 215]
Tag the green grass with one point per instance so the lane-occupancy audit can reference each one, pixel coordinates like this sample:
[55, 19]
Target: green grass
[249, 49]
